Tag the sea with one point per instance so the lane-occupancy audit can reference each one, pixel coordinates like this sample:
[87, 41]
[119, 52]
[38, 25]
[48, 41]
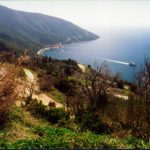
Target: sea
[115, 47]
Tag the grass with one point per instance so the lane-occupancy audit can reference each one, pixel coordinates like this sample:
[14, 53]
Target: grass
[57, 96]
[25, 131]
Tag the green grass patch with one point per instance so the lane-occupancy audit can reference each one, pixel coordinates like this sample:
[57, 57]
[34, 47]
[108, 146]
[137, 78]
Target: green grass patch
[50, 137]
[25, 131]
[57, 96]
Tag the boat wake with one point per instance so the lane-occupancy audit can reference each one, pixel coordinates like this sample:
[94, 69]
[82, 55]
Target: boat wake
[115, 61]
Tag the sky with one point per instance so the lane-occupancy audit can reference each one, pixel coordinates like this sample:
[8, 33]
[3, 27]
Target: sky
[90, 14]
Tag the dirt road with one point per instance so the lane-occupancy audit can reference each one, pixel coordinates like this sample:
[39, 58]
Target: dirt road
[46, 99]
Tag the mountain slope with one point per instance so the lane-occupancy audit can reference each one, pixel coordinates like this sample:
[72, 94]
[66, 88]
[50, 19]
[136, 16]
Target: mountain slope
[34, 30]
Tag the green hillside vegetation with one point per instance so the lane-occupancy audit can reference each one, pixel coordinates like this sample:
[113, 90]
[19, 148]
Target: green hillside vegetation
[85, 111]
[25, 131]
[33, 31]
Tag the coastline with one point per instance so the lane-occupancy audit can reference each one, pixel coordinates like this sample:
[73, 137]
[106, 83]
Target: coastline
[50, 47]
[81, 66]
[58, 45]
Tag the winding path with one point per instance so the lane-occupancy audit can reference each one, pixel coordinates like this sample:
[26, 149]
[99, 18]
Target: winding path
[46, 99]
[82, 67]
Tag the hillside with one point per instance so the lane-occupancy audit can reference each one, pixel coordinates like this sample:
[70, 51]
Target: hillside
[28, 132]
[50, 103]
[33, 30]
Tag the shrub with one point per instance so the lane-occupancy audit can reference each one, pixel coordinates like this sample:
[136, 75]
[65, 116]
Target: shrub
[46, 82]
[21, 73]
[36, 108]
[120, 84]
[91, 121]
[57, 115]
[7, 56]
[67, 86]
[137, 117]
[63, 85]
[52, 114]
[7, 91]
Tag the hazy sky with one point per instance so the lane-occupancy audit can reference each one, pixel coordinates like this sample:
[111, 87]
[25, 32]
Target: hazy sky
[90, 14]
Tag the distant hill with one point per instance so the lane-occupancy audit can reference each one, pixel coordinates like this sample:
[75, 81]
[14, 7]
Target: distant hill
[33, 30]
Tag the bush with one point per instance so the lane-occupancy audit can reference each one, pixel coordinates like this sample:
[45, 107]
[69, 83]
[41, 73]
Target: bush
[46, 82]
[7, 92]
[138, 117]
[67, 86]
[57, 115]
[120, 84]
[52, 114]
[21, 73]
[36, 108]
[92, 122]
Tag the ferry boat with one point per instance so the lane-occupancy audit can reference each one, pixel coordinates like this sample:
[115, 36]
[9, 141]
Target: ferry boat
[132, 64]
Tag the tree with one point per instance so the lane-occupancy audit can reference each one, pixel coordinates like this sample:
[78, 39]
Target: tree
[143, 81]
[96, 86]
[7, 91]
[30, 90]
[139, 105]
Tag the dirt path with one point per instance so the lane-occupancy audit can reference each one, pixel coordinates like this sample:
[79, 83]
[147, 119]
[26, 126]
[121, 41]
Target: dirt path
[124, 97]
[82, 67]
[30, 76]
[46, 99]
[119, 93]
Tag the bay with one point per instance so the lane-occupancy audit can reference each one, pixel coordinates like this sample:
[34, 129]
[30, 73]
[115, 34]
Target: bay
[116, 47]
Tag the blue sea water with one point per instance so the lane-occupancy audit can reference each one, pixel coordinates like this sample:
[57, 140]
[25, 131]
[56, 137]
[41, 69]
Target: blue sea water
[117, 47]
